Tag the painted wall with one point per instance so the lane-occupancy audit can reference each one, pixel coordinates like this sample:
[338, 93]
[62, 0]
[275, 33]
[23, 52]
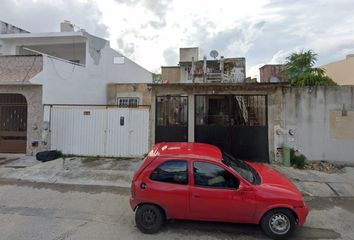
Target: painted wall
[66, 83]
[342, 72]
[321, 120]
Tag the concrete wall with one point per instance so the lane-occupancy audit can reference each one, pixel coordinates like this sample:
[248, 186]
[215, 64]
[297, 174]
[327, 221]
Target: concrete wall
[140, 90]
[186, 54]
[342, 72]
[272, 74]
[170, 74]
[6, 28]
[69, 51]
[321, 120]
[33, 95]
[19, 69]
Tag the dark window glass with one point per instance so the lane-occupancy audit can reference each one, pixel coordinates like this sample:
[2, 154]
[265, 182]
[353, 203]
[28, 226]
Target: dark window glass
[171, 111]
[231, 110]
[173, 171]
[211, 175]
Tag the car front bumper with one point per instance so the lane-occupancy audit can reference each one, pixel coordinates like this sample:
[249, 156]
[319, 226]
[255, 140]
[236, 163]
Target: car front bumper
[302, 213]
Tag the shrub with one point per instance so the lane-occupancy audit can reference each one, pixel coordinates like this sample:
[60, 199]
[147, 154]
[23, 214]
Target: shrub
[296, 159]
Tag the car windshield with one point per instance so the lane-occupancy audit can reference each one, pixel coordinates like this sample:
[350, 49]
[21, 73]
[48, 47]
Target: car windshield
[242, 168]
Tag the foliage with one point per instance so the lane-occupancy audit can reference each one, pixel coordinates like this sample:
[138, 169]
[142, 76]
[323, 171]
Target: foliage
[297, 160]
[301, 71]
[312, 80]
[156, 78]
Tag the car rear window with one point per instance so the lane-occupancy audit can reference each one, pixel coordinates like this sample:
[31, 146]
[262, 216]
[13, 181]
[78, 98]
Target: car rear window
[171, 171]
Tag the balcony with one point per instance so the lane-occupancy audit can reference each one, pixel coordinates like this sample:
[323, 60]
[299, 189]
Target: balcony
[19, 69]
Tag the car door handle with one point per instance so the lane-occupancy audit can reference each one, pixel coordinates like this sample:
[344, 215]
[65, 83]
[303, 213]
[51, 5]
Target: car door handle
[195, 195]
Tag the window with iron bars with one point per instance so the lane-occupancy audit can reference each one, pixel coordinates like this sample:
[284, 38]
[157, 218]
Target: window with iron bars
[128, 102]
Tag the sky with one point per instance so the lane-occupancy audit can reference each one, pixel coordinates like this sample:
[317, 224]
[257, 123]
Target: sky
[150, 32]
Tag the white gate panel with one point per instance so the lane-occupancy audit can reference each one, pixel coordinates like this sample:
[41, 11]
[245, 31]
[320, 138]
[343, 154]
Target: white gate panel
[139, 131]
[117, 135]
[99, 131]
[77, 130]
[130, 137]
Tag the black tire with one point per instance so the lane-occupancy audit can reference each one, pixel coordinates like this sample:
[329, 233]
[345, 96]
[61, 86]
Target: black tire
[278, 223]
[149, 218]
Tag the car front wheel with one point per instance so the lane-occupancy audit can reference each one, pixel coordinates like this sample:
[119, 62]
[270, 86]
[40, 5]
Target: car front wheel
[149, 218]
[278, 223]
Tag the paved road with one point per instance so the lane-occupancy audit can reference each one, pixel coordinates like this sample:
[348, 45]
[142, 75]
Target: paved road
[57, 212]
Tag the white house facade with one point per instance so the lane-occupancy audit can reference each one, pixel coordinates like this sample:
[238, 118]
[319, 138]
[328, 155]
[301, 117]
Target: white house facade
[58, 68]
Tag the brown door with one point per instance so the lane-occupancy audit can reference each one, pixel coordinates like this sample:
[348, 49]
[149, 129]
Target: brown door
[13, 123]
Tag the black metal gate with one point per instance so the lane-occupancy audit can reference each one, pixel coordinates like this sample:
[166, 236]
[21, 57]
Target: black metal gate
[13, 123]
[235, 123]
[171, 119]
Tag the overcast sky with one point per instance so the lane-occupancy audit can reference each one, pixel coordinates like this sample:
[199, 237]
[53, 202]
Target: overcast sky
[151, 31]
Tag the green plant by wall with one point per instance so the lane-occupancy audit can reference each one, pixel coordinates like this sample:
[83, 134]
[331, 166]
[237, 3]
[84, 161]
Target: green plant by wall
[297, 160]
[301, 71]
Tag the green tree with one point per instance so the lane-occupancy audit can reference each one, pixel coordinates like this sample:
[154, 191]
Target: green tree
[156, 77]
[301, 71]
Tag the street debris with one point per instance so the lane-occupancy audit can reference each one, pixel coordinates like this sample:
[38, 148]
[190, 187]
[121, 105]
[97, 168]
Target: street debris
[324, 166]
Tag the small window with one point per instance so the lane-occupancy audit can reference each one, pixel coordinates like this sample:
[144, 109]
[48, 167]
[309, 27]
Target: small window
[173, 171]
[128, 102]
[211, 175]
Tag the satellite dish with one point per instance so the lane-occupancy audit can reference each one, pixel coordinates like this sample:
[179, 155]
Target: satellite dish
[214, 54]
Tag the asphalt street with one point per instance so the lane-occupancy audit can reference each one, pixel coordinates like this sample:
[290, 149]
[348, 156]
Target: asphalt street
[44, 211]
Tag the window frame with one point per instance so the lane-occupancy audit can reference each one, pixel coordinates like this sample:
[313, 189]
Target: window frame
[172, 160]
[214, 187]
[128, 101]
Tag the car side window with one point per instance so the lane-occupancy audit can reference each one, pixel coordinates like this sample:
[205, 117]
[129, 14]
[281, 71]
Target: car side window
[171, 171]
[211, 175]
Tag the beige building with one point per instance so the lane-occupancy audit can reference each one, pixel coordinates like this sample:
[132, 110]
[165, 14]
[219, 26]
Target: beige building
[191, 69]
[342, 72]
[170, 74]
[272, 73]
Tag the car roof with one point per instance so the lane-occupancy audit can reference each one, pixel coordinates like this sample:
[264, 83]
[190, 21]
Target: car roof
[187, 149]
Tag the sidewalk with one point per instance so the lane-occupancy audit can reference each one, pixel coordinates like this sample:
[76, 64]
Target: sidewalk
[320, 184]
[119, 172]
[80, 171]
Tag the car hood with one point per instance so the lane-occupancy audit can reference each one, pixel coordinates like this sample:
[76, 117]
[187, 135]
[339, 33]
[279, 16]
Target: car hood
[275, 181]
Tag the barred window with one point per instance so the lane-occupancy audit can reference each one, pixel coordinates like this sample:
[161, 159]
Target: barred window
[128, 102]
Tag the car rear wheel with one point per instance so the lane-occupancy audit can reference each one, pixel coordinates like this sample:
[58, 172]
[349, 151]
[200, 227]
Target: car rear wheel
[278, 223]
[149, 218]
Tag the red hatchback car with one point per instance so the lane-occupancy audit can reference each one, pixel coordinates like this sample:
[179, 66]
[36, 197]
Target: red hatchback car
[195, 181]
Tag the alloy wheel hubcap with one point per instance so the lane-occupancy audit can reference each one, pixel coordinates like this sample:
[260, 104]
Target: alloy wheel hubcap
[279, 224]
[149, 217]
